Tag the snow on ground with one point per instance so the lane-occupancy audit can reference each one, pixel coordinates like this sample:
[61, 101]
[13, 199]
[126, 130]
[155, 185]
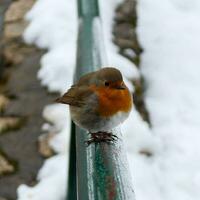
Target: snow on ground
[168, 31]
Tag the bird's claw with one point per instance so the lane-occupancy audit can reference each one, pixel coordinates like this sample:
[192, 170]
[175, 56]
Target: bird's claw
[101, 137]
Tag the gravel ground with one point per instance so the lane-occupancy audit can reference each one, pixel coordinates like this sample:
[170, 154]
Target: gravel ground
[19, 156]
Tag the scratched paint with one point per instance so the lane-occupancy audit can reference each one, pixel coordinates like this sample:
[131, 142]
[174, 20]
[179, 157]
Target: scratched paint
[109, 173]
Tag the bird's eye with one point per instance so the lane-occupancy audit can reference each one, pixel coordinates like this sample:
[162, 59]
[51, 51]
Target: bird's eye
[107, 84]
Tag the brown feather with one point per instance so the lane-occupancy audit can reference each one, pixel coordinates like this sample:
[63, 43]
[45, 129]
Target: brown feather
[75, 96]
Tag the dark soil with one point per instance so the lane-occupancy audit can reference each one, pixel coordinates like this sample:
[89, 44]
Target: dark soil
[27, 100]
[125, 37]
[21, 145]
[3, 6]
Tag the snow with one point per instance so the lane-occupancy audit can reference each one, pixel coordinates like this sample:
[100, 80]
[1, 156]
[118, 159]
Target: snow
[54, 26]
[51, 185]
[168, 31]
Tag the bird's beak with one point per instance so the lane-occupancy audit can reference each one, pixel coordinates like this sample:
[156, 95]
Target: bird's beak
[121, 87]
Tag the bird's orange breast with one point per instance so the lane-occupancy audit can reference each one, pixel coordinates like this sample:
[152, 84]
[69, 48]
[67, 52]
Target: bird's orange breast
[112, 100]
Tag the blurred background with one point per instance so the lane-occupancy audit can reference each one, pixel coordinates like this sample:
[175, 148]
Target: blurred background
[22, 99]
[156, 46]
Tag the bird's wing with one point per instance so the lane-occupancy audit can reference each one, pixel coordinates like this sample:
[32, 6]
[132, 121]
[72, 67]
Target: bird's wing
[75, 96]
[86, 79]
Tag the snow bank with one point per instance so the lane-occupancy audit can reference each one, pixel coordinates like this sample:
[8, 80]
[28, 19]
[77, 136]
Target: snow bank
[169, 32]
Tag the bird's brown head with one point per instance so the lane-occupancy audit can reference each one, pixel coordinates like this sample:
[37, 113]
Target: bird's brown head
[113, 95]
[109, 78]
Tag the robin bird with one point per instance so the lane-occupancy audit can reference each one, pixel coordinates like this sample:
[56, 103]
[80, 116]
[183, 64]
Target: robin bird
[99, 102]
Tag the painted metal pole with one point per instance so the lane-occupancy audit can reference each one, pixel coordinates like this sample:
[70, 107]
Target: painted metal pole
[101, 169]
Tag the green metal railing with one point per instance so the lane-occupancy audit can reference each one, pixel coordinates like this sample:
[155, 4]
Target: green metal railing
[97, 171]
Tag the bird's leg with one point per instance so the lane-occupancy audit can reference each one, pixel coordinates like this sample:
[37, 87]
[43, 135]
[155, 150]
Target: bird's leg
[101, 136]
[107, 135]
